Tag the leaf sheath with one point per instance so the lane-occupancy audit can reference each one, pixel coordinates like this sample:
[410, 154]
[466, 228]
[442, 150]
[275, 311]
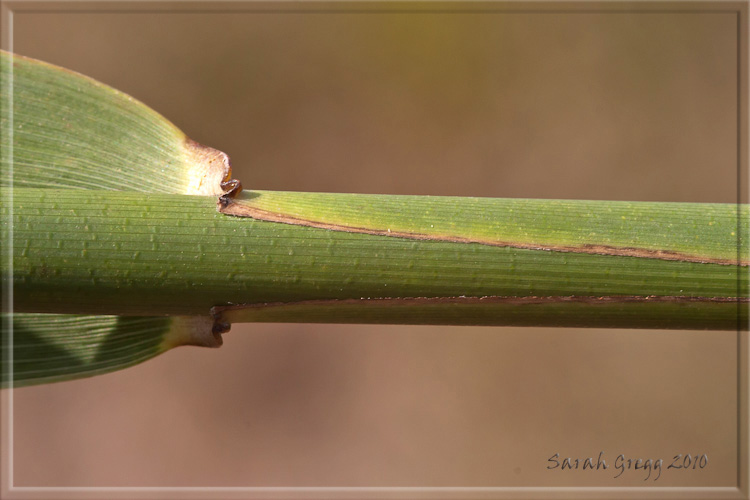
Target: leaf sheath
[91, 252]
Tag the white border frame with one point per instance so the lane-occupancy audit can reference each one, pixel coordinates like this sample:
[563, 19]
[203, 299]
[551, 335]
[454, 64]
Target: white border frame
[741, 491]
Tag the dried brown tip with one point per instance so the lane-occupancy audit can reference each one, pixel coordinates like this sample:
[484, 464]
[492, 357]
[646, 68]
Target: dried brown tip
[220, 324]
[231, 188]
[220, 327]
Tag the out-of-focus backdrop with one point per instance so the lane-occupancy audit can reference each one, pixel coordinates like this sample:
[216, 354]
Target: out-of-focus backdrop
[586, 105]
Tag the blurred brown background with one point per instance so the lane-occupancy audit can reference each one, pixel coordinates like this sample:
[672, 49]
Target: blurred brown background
[590, 105]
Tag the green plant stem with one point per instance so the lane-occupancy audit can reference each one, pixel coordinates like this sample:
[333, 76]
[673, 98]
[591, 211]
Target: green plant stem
[403, 259]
